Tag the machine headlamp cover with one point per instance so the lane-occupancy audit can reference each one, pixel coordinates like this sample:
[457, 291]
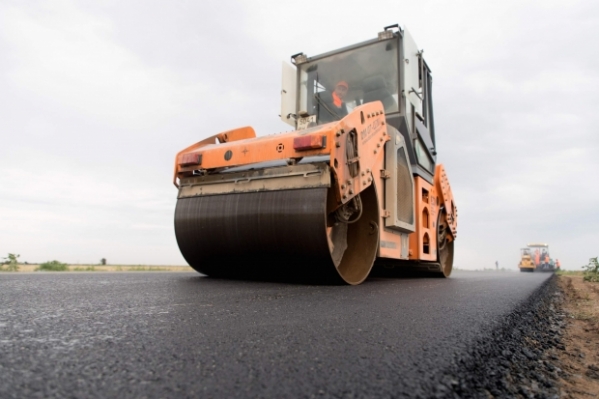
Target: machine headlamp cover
[190, 159]
[310, 142]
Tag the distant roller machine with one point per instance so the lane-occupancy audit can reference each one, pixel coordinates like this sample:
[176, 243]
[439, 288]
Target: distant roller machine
[526, 262]
[535, 257]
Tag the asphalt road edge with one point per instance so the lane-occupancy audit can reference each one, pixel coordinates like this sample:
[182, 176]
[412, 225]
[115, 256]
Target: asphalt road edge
[516, 357]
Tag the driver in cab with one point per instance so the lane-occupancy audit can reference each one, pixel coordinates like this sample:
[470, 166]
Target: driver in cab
[332, 106]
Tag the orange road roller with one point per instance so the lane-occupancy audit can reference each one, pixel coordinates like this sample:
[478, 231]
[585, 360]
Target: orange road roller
[355, 186]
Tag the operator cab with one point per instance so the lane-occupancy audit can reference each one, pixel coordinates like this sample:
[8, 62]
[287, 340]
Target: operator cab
[389, 69]
[370, 72]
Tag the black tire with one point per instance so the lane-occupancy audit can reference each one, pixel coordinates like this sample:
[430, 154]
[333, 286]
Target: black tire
[445, 248]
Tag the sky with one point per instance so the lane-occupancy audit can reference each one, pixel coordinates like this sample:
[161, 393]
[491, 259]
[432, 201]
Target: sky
[96, 98]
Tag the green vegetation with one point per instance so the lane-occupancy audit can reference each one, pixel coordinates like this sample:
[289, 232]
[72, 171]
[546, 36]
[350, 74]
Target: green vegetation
[11, 262]
[562, 272]
[53, 266]
[84, 269]
[591, 271]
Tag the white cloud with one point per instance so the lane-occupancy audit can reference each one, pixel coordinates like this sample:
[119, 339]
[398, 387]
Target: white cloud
[72, 58]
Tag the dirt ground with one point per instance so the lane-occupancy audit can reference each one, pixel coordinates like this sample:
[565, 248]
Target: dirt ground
[580, 355]
[113, 268]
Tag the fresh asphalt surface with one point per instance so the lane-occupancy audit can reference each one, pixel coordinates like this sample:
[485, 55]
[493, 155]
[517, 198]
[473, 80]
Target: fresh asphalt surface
[165, 335]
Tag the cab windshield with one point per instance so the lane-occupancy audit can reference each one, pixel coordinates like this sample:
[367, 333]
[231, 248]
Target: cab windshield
[368, 73]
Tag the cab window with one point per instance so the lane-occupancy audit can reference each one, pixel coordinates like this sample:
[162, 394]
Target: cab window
[370, 73]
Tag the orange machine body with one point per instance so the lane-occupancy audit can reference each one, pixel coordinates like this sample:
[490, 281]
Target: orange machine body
[351, 190]
[366, 128]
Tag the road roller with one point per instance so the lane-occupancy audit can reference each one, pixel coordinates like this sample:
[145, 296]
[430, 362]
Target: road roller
[542, 260]
[526, 263]
[355, 188]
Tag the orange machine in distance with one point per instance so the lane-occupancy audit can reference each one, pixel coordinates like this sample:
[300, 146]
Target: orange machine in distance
[535, 257]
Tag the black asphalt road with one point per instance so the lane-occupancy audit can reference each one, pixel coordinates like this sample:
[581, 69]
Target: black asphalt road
[167, 335]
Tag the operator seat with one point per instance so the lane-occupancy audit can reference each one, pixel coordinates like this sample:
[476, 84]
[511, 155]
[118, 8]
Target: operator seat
[375, 89]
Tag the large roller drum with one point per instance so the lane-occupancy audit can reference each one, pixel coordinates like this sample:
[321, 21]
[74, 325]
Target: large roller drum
[281, 234]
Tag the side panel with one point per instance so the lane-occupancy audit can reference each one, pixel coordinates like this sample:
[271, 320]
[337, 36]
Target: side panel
[393, 244]
[288, 94]
[423, 242]
[399, 185]
[396, 184]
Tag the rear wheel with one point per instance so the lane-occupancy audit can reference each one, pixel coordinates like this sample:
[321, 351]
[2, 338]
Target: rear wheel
[362, 241]
[444, 245]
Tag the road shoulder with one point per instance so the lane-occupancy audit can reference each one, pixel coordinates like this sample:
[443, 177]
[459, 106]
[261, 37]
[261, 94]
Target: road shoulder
[580, 355]
[516, 357]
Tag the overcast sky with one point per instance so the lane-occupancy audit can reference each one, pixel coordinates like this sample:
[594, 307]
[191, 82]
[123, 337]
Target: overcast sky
[96, 98]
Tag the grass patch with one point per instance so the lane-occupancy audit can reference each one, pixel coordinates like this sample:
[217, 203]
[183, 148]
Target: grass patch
[591, 271]
[89, 267]
[53, 266]
[568, 273]
[85, 269]
[583, 315]
[10, 264]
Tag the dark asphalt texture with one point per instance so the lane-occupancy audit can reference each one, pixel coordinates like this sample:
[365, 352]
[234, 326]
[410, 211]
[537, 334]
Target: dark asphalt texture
[165, 335]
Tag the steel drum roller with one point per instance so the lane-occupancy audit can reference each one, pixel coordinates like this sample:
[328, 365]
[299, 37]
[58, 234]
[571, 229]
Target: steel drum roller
[255, 233]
